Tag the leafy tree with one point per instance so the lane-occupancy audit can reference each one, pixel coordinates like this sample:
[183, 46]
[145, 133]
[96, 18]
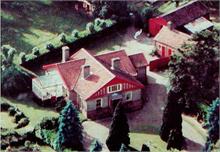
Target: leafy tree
[69, 133]
[172, 118]
[95, 146]
[36, 51]
[213, 125]
[106, 9]
[7, 56]
[90, 27]
[119, 131]
[195, 71]
[14, 80]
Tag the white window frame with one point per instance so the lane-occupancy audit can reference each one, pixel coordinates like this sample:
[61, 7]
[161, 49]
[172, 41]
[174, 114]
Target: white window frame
[101, 103]
[119, 88]
[129, 92]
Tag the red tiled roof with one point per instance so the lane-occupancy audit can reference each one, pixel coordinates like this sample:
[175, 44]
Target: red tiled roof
[125, 63]
[101, 72]
[186, 13]
[138, 60]
[70, 72]
[172, 38]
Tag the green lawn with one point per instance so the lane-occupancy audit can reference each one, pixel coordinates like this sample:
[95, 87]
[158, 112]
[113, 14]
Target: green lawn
[34, 112]
[168, 6]
[25, 25]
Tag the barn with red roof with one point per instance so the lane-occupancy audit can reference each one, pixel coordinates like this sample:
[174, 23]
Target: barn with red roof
[95, 83]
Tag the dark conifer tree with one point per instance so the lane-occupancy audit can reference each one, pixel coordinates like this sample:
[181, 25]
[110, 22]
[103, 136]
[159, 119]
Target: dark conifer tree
[69, 133]
[119, 131]
[213, 125]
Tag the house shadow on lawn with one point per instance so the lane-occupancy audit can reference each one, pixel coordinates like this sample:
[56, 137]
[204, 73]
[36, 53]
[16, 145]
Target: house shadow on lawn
[192, 146]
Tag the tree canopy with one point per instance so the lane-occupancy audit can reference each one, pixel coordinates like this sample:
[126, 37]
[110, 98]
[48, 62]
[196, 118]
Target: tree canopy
[69, 133]
[212, 119]
[119, 130]
[194, 70]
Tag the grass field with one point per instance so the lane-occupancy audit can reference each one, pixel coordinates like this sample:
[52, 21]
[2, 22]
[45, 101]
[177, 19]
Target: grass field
[29, 24]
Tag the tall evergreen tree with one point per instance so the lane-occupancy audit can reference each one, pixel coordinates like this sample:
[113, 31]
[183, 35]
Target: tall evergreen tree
[172, 120]
[213, 125]
[119, 131]
[69, 133]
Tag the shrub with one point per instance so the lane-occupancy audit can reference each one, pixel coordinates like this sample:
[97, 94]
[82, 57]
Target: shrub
[60, 104]
[75, 34]
[5, 106]
[62, 37]
[12, 111]
[29, 57]
[98, 21]
[27, 144]
[22, 57]
[103, 25]
[50, 46]
[14, 80]
[18, 116]
[49, 123]
[22, 123]
[90, 28]
[36, 51]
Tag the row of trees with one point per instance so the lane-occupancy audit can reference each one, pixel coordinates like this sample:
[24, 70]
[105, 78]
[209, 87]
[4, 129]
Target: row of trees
[194, 81]
[14, 79]
[70, 130]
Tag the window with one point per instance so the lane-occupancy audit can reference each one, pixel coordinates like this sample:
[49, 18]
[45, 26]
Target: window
[128, 96]
[114, 88]
[98, 103]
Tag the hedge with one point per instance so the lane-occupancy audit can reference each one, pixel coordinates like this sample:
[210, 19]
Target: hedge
[75, 44]
[63, 38]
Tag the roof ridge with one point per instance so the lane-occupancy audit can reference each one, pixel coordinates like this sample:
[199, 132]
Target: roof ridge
[104, 53]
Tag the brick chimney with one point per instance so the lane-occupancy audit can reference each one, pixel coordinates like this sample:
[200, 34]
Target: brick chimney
[86, 71]
[65, 53]
[170, 25]
[115, 63]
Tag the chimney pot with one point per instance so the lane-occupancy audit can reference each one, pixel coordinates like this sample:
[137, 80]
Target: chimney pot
[170, 25]
[65, 53]
[115, 63]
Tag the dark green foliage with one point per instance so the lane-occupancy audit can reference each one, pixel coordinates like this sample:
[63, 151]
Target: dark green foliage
[14, 81]
[50, 46]
[172, 116]
[7, 55]
[95, 146]
[106, 9]
[195, 71]
[18, 116]
[36, 51]
[49, 123]
[119, 130]
[5, 106]
[60, 104]
[146, 14]
[22, 123]
[90, 27]
[69, 133]
[75, 34]
[22, 57]
[63, 38]
[213, 122]
[12, 111]
[175, 139]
